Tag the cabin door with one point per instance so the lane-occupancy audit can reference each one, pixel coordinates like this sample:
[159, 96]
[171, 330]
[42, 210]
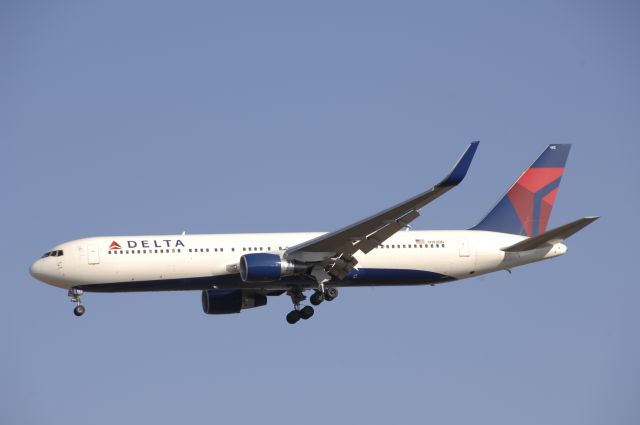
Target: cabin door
[93, 256]
[463, 247]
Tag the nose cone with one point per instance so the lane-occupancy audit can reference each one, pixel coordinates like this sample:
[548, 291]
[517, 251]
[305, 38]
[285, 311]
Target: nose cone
[36, 270]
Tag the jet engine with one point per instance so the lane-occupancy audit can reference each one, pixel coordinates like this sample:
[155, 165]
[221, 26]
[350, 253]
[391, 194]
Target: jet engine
[267, 267]
[227, 302]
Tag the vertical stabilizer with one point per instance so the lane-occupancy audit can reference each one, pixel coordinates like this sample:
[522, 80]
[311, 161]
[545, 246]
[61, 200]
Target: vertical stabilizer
[526, 207]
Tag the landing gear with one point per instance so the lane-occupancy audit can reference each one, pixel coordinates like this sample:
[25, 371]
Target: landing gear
[298, 312]
[320, 294]
[75, 294]
[306, 312]
[317, 298]
[293, 317]
[330, 294]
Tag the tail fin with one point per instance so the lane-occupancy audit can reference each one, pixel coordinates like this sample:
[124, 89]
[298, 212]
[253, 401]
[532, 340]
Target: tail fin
[526, 207]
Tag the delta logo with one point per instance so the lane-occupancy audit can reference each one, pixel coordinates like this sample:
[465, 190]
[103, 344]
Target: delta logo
[156, 243]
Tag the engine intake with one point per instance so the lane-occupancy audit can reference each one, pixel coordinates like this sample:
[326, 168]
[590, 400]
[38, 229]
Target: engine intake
[267, 268]
[227, 302]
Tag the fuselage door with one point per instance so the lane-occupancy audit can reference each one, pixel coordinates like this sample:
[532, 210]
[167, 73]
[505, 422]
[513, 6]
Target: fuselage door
[93, 256]
[463, 247]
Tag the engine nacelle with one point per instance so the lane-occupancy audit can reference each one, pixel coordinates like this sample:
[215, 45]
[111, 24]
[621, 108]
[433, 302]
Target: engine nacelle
[267, 268]
[227, 302]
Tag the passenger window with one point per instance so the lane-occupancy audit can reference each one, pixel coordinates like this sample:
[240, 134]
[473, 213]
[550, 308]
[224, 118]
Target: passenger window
[207, 249]
[221, 249]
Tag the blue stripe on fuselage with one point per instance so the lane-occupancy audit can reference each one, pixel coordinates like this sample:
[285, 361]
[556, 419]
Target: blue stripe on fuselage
[357, 277]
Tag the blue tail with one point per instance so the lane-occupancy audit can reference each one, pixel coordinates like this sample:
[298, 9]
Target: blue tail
[527, 205]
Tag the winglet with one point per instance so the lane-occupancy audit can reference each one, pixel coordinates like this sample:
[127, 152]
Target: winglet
[459, 170]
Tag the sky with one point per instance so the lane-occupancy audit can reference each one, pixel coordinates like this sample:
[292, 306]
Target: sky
[157, 117]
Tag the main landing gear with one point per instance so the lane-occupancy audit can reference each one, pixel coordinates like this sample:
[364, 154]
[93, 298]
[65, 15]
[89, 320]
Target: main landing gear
[304, 313]
[75, 294]
[318, 297]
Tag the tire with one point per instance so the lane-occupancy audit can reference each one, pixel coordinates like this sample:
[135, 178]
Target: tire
[293, 317]
[79, 310]
[306, 312]
[316, 298]
[330, 294]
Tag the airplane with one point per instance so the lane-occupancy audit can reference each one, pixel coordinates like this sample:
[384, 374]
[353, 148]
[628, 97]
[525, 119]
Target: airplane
[240, 271]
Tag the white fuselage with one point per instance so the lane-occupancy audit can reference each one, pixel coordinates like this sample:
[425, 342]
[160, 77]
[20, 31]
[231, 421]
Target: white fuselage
[183, 262]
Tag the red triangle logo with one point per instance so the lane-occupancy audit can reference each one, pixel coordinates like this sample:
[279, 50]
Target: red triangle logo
[114, 245]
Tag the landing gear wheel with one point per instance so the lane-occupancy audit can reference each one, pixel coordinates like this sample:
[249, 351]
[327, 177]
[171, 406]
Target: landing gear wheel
[306, 312]
[330, 294]
[293, 316]
[316, 298]
[79, 310]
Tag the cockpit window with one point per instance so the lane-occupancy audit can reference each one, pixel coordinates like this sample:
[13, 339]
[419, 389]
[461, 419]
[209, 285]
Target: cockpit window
[46, 254]
[57, 253]
[60, 253]
[54, 253]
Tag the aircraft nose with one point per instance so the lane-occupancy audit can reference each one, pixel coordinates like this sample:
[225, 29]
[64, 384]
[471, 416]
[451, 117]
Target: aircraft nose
[36, 269]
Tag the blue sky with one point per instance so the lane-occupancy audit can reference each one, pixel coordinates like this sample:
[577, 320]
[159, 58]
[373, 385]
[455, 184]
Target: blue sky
[134, 117]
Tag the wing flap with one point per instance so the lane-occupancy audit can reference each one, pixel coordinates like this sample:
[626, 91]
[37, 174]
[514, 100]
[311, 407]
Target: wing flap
[376, 238]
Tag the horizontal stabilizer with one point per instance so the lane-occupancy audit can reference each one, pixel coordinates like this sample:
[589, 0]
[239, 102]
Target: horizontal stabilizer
[551, 236]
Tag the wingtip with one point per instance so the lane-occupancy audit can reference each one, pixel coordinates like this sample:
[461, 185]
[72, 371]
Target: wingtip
[459, 170]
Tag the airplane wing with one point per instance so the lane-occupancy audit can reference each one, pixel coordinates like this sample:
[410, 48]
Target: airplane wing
[337, 248]
[551, 236]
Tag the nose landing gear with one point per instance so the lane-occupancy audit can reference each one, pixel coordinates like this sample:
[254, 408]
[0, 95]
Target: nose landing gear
[75, 294]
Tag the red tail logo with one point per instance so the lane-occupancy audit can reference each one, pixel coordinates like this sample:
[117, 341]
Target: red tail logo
[114, 245]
